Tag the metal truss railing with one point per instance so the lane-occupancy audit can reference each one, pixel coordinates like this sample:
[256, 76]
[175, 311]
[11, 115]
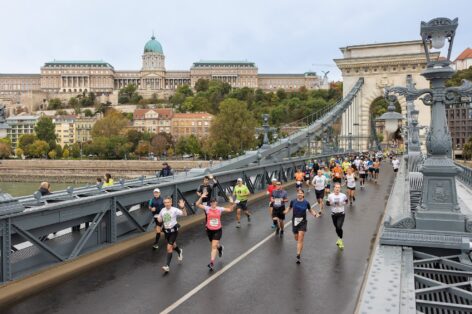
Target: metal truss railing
[465, 176]
[89, 218]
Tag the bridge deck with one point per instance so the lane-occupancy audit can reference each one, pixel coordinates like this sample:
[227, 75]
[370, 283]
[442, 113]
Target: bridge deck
[265, 281]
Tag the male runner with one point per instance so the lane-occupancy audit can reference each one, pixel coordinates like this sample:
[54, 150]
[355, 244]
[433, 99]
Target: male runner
[319, 182]
[279, 198]
[242, 194]
[337, 200]
[168, 216]
[155, 205]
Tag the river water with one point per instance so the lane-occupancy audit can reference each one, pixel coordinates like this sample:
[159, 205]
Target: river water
[28, 188]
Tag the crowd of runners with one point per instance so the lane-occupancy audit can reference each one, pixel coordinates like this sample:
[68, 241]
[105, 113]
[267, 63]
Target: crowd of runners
[334, 183]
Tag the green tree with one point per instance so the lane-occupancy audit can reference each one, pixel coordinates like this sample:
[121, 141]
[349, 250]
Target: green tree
[73, 102]
[74, 150]
[143, 148]
[65, 153]
[379, 107]
[134, 137]
[88, 113]
[467, 149]
[39, 149]
[45, 131]
[202, 85]
[54, 104]
[129, 94]
[180, 95]
[52, 154]
[19, 152]
[232, 130]
[59, 151]
[25, 142]
[460, 75]
[61, 112]
[112, 124]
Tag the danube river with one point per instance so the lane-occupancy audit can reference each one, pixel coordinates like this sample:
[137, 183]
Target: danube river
[28, 188]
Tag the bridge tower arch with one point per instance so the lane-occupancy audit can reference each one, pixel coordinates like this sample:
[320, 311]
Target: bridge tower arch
[381, 65]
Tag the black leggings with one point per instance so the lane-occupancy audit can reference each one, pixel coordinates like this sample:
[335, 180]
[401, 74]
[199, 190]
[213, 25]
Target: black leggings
[338, 221]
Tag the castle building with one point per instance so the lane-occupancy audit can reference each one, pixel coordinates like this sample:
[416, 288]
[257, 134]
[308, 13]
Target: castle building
[65, 79]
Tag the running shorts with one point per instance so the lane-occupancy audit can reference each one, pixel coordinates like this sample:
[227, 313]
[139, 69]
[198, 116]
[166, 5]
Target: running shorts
[302, 226]
[242, 205]
[214, 234]
[319, 194]
[278, 212]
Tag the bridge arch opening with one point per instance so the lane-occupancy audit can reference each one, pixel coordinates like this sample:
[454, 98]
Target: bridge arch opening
[377, 130]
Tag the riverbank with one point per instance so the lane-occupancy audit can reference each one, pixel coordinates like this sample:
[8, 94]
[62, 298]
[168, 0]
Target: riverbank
[85, 171]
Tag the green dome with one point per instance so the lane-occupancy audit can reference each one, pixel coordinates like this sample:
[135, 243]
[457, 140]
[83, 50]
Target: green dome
[153, 46]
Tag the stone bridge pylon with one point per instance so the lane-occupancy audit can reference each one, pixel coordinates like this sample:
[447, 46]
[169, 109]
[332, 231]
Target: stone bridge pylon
[381, 65]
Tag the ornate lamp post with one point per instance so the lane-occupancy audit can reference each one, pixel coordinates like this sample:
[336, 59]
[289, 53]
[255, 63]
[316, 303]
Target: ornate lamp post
[391, 118]
[439, 209]
[265, 129]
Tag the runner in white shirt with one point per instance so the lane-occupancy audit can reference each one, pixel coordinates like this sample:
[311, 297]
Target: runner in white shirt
[362, 173]
[319, 182]
[351, 185]
[213, 226]
[395, 164]
[168, 216]
[337, 200]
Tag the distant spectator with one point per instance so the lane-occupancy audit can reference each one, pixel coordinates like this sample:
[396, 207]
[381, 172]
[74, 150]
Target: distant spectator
[166, 170]
[108, 180]
[99, 181]
[45, 188]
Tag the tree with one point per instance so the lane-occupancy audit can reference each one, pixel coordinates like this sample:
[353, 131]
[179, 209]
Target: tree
[73, 102]
[52, 154]
[25, 142]
[143, 148]
[74, 150]
[88, 113]
[112, 124]
[65, 153]
[202, 85]
[232, 130]
[54, 104]
[460, 75]
[61, 112]
[5, 150]
[19, 152]
[59, 151]
[128, 94]
[45, 131]
[467, 149]
[160, 142]
[135, 137]
[39, 148]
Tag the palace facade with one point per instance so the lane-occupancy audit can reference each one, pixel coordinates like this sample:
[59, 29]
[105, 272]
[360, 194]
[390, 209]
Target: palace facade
[65, 79]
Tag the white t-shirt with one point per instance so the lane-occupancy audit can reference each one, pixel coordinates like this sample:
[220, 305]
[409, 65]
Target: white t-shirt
[357, 162]
[351, 181]
[395, 163]
[337, 202]
[319, 182]
[169, 216]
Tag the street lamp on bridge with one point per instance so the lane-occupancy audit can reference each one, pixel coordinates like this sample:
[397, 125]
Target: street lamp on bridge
[265, 129]
[439, 209]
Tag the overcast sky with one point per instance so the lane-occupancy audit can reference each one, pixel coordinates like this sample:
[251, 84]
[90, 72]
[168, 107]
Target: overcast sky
[280, 36]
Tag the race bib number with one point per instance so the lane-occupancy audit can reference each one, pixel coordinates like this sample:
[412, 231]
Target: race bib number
[278, 202]
[167, 218]
[214, 222]
[237, 201]
[297, 221]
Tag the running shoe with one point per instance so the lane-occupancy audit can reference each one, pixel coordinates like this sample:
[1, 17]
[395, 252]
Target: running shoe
[281, 233]
[238, 224]
[277, 231]
[337, 242]
[341, 244]
[210, 266]
[155, 246]
[220, 251]
[165, 269]
[273, 226]
[180, 255]
[248, 218]
[354, 198]
[298, 259]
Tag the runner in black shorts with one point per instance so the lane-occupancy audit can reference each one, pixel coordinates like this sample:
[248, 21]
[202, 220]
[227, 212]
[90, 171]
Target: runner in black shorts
[155, 206]
[213, 226]
[279, 198]
[299, 223]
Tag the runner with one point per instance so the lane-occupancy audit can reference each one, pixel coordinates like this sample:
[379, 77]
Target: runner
[395, 164]
[168, 216]
[214, 228]
[370, 164]
[337, 174]
[155, 205]
[206, 188]
[351, 185]
[319, 182]
[242, 194]
[299, 223]
[362, 173]
[327, 173]
[299, 175]
[337, 200]
[345, 165]
[376, 166]
[279, 198]
[270, 189]
[308, 174]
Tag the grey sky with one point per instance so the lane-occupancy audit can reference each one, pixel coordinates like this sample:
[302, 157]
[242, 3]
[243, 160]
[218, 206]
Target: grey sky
[280, 36]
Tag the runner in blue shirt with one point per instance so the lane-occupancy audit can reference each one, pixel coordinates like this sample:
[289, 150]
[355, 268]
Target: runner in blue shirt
[299, 223]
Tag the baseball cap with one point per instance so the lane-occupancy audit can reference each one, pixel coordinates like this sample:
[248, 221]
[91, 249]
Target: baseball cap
[239, 180]
[156, 190]
[274, 180]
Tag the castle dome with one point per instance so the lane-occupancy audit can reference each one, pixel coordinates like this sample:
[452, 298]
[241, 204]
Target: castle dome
[153, 46]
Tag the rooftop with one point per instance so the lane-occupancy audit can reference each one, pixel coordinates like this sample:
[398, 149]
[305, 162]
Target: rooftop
[223, 62]
[466, 54]
[22, 117]
[164, 113]
[193, 115]
[99, 63]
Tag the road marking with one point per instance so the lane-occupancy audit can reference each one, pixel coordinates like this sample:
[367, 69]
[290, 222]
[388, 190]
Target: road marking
[218, 274]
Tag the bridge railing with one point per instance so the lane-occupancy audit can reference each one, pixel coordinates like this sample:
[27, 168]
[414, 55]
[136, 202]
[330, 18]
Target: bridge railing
[465, 176]
[28, 224]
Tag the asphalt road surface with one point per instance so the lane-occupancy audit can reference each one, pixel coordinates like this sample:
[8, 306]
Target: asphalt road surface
[257, 273]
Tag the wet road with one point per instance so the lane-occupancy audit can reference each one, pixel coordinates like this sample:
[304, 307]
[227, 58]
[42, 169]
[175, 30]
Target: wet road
[264, 280]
